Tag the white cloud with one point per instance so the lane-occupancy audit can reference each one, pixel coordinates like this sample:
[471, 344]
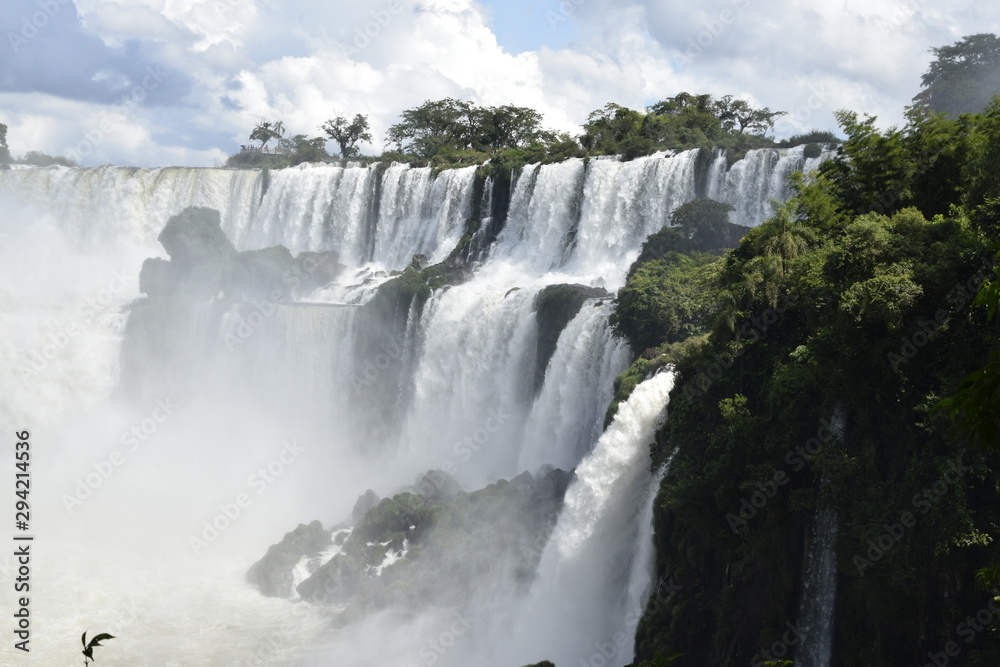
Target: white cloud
[299, 61]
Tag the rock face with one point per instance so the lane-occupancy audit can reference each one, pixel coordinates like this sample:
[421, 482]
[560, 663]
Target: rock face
[156, 278]
[433, 544]
[366, 501]
[194, 237]
[204, 263]
[263, 273]
[437, 485]
[318, 269]
[272, 574]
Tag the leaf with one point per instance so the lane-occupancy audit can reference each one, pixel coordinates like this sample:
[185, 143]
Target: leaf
[96, 641]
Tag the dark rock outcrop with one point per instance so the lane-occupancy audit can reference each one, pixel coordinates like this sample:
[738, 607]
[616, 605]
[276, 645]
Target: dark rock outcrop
[443, 547]
[272, 574]
[366, 501]
[204, 263]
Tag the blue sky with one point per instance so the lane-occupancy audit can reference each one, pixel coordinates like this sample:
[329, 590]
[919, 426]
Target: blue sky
[162, 82]
[528, 25]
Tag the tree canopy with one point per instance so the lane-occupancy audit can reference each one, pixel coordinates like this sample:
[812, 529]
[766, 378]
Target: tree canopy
[4, 151]
[682, 121]
[347, 133]
[265, 131]
[456, 125]
[962, 77]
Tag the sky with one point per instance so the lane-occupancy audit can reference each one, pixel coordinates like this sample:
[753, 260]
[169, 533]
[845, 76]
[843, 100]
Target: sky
[182, 82]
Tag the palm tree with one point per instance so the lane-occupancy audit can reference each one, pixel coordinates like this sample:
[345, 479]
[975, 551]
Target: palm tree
[785, 236]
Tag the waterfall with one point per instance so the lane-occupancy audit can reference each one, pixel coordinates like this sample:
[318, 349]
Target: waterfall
[752, 182]
[455, 384]
[818, 607]
[351, 209]
[568, 414]
[819, 594]
[118, 203]
[598, 544]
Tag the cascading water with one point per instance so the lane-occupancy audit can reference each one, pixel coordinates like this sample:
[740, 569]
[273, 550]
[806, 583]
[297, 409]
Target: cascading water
[596, 550]
[763, 175]
[819, 591]
[819, 594]
[252, 389]
[568, 415]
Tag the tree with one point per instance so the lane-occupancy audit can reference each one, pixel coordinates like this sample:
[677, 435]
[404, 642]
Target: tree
[302, 149]
[427, 129]
[963, 77]
[510, 126]
[456, 125]
[265, 130]
[975, 407]
[705, 223]
[348, 133]
[4, 151]
[740, 114]
[606, 128]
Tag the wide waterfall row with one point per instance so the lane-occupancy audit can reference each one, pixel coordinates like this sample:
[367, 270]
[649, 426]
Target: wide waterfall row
[574, 216]
[120, 204]
[586, 218]
[362, 212]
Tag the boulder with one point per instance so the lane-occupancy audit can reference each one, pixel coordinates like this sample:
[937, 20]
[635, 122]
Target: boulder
[318, 269]
[266, 274]
[272, 574]
[156, 278]
[437, 485]
[194, 238]
[366, 501]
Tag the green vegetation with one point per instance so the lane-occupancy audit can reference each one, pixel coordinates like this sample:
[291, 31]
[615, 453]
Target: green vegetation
[4, 151]
[856, 297]
[963, 77]
[680, 122]
[31, 158]
[265, 131]
[454, 126]
[347, 133]
[451, 133]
